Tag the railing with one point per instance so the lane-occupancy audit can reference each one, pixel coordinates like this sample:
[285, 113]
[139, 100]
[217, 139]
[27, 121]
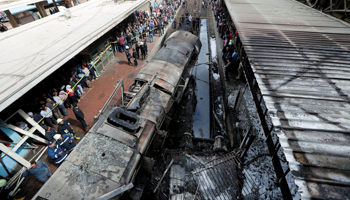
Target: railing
[115, 99]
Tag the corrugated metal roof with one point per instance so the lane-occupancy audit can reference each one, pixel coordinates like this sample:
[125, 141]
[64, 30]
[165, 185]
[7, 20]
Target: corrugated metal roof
[301, 60]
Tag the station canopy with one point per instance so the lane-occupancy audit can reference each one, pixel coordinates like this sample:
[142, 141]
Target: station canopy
[32, 52]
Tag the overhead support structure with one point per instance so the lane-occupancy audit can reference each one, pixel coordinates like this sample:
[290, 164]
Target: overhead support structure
[14, 155]
[11, 18]
[41, 9]
[35, 127]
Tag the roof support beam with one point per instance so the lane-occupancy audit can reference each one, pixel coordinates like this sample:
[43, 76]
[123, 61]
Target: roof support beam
[12, 19]
[31, 121]
[41, 9]
[30, 133]
[14, 155]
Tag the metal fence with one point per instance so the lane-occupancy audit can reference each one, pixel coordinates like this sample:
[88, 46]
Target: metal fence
[114, 100]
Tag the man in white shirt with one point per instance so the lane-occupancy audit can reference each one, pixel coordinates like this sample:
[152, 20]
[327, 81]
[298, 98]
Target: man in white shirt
[60, 102]
[47, 114]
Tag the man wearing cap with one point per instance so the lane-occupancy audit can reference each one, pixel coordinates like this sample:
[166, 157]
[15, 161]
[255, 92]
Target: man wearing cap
[35, 116]
[65, 128]
[65, 141]
[80, 116]
[56, 152]
[47, 114]
[39, 170]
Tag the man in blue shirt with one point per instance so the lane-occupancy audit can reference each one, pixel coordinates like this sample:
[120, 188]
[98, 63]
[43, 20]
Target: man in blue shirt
[65, 141]
[56, 152]
[39, 170]
[151, 32]
[231, 63]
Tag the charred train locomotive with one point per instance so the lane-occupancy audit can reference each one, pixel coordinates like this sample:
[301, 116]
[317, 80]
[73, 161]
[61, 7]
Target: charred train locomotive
[109, 156]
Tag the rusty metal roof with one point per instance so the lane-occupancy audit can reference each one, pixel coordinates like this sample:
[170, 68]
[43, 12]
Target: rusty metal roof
[155, 105]
[301, 61]
[167, 74]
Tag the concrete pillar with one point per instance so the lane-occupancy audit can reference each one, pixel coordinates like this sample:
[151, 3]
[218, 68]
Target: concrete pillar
[12, 19]
[41, 9]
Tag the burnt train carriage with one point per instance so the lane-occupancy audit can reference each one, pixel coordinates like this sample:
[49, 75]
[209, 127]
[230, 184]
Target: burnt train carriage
[109, 156]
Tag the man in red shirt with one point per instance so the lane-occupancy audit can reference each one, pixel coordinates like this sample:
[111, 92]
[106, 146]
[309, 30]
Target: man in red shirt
[121, 43]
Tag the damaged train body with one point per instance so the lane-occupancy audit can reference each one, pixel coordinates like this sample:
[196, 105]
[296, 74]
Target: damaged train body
[109, 156]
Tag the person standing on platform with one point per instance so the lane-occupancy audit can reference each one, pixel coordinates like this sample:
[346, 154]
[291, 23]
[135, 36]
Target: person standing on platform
[145, 46]
[143, 53]
[39, 170]
[128, 56]
[137, 47]
[65, 128]
[134, 54]
[121, 43]
[80, 116]
[174, 23]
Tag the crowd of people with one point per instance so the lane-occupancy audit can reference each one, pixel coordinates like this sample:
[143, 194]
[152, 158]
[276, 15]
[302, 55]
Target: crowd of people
[228, 33]
[133, 34]
[50, 110]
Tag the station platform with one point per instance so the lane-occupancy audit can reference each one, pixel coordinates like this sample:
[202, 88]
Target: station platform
[91, 102]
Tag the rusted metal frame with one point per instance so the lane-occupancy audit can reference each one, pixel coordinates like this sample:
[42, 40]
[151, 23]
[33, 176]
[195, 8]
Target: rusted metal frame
[250, 142]
[237, 98]
[231, 181]
[276, 147]
[275, 160]
[208, 179]
[160, 181]
[240, 96]
[210, 171]
[245, 137]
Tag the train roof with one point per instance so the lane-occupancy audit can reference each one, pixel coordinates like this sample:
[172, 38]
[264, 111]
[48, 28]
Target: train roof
[300, 58]
[170, 61]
